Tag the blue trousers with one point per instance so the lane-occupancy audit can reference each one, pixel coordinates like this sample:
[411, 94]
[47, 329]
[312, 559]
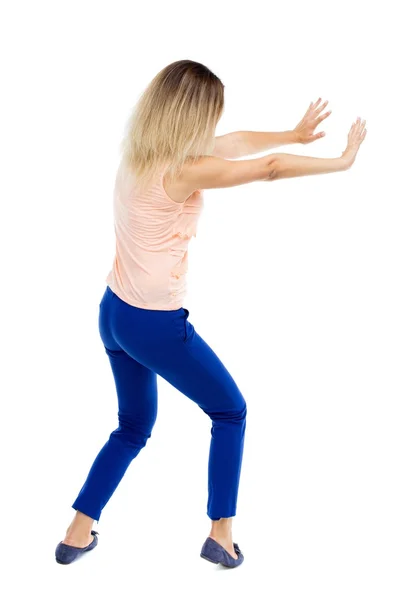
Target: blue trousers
[141, 344]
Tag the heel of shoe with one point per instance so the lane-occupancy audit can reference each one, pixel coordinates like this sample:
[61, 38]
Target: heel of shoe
[216, 562]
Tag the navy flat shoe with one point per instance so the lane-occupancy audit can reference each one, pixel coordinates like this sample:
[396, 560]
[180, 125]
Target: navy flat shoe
[215, 553]
[65, 554]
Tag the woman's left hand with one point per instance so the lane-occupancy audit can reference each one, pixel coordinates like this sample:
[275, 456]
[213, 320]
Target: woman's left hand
[304, 130]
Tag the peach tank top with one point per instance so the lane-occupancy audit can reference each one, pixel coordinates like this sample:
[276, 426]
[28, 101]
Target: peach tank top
[152, 233]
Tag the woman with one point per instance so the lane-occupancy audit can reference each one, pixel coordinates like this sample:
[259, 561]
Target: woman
[169, 155]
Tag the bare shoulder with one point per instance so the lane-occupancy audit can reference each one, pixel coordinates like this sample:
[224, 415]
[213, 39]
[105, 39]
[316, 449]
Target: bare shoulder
[185, 184]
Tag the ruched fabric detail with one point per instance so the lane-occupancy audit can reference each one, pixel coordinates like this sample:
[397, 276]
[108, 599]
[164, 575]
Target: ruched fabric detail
[152, 238]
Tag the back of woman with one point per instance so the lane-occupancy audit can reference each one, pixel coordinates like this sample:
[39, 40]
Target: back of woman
[170, 154]
[152, 236]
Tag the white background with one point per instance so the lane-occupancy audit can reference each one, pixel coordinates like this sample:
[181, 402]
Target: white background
[305, 288]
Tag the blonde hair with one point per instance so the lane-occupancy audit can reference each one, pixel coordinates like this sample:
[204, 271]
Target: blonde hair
[173, 121]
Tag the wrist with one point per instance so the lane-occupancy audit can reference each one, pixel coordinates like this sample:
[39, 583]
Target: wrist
[295, 137]
[346, 161]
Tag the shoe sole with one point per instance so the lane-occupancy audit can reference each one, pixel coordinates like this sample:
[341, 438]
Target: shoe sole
[217, 562]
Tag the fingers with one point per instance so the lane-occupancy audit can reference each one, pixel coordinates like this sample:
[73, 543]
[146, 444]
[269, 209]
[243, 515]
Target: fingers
[322, 117]
[353, 129]
[363, 131]
[317, 136]
[313, 107]
[358, 124]
[313, 112]
[322, 107]
[358, 127]
[358, 131]
[316, 103]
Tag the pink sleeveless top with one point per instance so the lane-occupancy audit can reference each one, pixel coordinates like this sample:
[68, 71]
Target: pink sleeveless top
[152, 234]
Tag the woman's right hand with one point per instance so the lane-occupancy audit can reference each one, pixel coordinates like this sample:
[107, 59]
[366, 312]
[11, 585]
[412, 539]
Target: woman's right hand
[355, 138]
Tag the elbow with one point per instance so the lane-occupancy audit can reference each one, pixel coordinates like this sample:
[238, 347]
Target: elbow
[273, 169]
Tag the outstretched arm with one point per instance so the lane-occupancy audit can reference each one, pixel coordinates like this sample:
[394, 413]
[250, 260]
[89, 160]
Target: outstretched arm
[214, 172]
[246, 143]
[291, 165]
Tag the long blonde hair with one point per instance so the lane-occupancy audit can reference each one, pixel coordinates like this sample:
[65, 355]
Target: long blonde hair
[173, 121]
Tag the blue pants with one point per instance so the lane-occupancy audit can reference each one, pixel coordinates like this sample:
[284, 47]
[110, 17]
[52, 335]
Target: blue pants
[141, 344]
